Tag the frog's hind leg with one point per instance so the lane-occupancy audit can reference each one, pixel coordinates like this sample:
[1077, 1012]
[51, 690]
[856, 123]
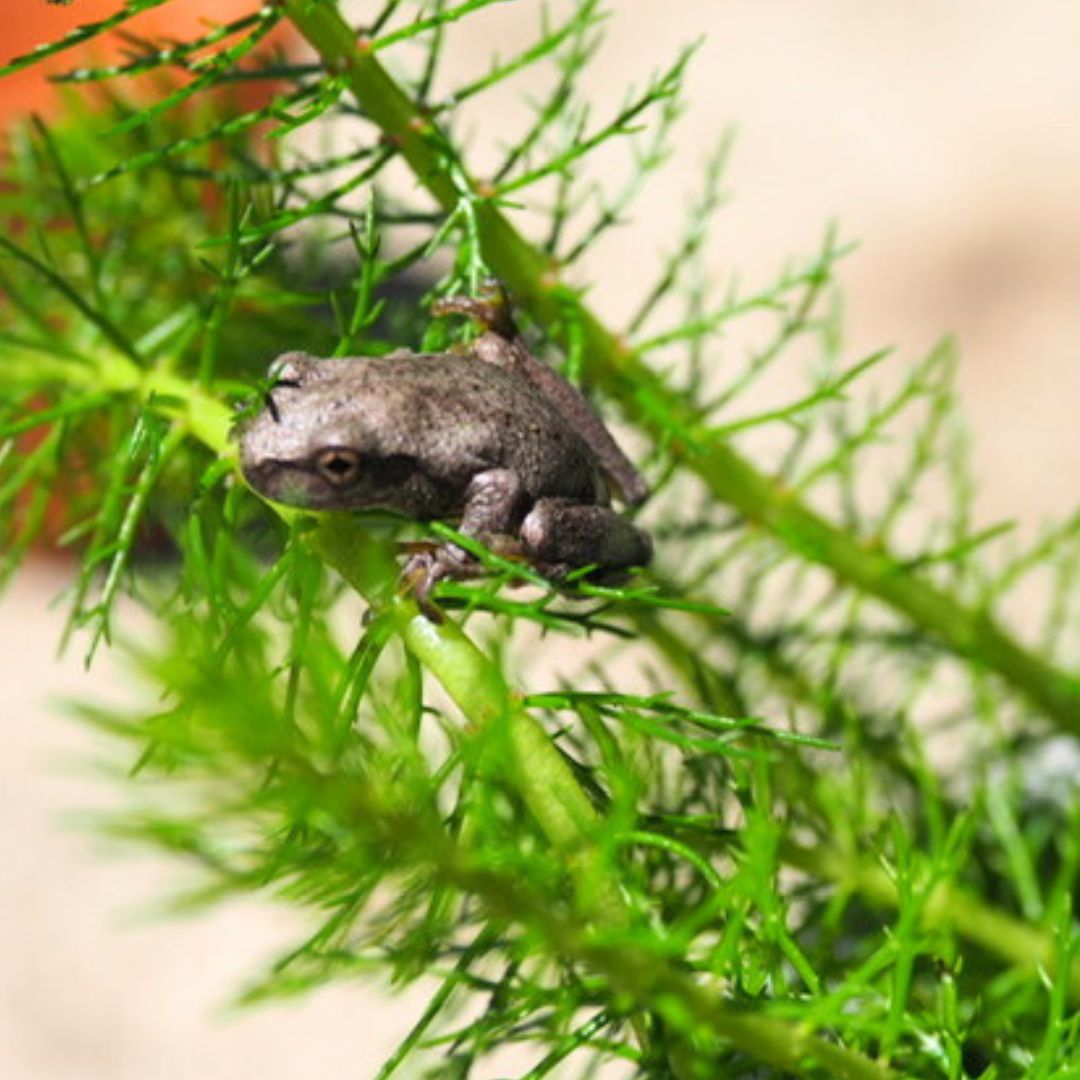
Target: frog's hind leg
[559, 536]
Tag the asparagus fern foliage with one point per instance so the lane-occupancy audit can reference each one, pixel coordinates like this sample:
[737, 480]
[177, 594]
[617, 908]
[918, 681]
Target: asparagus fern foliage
[719, 834]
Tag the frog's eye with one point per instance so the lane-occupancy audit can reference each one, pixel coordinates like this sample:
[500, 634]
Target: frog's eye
[338, 466]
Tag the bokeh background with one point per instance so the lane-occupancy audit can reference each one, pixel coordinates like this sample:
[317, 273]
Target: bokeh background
[944, 135]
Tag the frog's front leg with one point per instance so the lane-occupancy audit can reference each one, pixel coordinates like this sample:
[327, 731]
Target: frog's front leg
[493, 506]
[559, 535]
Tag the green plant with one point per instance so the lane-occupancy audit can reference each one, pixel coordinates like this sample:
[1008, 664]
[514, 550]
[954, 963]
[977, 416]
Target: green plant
[720, 845]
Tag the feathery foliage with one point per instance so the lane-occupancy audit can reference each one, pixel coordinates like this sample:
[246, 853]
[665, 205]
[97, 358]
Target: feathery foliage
[719, 834]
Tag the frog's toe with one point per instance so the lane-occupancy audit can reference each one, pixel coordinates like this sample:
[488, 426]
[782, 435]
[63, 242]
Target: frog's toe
[421, 574]
[430, 565]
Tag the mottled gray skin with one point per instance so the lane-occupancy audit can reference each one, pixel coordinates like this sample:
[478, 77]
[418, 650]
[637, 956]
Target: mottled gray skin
[462, 437]
[427, 425]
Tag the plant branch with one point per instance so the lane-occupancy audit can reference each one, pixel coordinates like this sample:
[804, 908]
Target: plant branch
[638, 974]
[1026, 947]
[645, 396]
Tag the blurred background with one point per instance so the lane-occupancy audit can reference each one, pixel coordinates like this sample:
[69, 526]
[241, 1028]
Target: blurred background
[943, 135]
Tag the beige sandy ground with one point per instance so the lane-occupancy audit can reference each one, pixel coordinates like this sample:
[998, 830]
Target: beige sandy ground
[945, 134]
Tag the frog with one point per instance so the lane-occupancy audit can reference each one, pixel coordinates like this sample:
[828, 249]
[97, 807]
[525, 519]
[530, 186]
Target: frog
[486, 435]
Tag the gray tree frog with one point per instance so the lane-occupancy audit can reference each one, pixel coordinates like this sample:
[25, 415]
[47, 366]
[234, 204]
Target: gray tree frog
[490, 437]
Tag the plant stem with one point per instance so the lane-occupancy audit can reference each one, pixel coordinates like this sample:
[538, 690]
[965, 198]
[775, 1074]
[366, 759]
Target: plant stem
[613, 365]
[636, 973]
[1026, 947]
[544, 780]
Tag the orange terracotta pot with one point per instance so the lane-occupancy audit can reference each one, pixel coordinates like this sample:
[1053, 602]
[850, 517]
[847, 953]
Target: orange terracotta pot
[25, 24]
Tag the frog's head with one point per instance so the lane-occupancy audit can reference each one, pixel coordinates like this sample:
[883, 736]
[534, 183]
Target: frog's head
[300, 448]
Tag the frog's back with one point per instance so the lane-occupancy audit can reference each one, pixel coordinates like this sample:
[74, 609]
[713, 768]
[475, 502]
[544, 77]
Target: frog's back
[457, 415]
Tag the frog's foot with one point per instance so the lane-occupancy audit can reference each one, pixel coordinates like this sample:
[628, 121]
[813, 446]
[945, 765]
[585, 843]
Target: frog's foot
[428, 565]
[491, 309]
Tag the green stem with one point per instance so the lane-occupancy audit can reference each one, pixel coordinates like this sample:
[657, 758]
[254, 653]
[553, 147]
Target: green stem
[695, 1011]
[613, 365]
[1026, 947]
[544, 780]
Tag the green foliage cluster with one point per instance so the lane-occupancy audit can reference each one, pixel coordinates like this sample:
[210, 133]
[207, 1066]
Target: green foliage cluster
[713, 842]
